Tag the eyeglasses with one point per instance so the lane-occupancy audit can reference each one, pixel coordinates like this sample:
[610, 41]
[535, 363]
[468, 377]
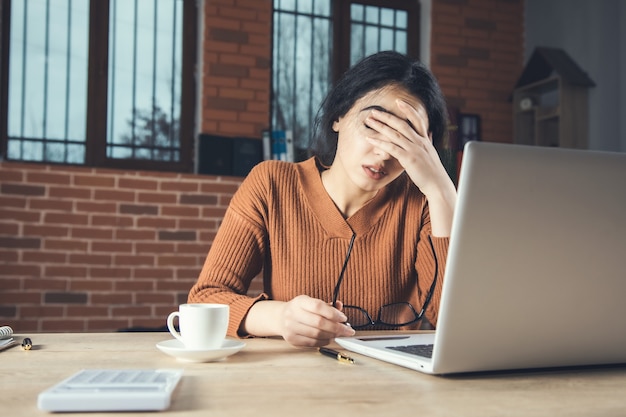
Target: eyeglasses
[390, 315]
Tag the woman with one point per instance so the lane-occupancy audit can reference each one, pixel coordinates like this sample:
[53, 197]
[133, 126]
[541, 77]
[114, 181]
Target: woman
[361, 225]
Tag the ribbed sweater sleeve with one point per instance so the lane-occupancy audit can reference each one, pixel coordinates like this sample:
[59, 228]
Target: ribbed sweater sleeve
[281, 222]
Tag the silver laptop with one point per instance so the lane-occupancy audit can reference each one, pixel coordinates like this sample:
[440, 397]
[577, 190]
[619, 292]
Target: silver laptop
[536, 269]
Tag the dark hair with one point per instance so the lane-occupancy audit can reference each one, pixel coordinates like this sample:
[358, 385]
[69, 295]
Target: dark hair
[371, 73]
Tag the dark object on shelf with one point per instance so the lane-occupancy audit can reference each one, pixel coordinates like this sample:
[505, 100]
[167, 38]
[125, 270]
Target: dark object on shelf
[220, 155]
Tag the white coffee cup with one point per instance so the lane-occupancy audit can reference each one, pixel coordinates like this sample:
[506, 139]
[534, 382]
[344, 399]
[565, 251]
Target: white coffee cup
[202, 326]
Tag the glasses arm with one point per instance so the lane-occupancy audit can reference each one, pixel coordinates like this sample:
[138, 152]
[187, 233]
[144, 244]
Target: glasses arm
[429, 296]
[343, 270]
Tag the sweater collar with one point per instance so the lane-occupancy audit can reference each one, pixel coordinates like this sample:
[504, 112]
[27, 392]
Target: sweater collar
[328, 214]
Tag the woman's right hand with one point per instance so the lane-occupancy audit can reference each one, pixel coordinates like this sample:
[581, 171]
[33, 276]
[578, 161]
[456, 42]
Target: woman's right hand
[308, 322]
[303, 322]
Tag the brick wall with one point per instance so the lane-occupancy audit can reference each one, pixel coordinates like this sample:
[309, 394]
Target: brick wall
[236, 73]
[99, 250]
[477, 55]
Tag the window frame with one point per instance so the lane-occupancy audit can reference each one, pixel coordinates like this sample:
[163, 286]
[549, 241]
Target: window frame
[97, 84]
[342, 29]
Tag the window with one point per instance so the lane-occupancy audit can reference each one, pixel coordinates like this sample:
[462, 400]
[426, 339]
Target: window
[98, 82]
[315, 41]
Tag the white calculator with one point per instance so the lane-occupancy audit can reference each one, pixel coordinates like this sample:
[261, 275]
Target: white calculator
[112, 390]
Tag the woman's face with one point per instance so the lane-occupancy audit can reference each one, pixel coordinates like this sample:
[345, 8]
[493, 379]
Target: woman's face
[367, 166]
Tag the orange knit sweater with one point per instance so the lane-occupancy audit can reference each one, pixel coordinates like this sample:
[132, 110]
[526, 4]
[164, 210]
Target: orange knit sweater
[282, 222]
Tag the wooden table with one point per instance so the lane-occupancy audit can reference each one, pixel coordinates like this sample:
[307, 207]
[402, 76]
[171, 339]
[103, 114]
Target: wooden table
[269, 377]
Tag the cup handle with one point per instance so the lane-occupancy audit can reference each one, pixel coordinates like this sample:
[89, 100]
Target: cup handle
[170, 325]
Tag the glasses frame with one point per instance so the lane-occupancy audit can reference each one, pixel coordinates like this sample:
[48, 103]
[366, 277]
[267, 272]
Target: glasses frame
[379, 321]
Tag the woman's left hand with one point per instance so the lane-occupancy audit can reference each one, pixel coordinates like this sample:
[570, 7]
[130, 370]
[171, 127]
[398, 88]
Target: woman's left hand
[410, 143]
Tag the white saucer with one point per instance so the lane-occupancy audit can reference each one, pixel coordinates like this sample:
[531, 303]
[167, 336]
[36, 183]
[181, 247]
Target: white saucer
[175, 347]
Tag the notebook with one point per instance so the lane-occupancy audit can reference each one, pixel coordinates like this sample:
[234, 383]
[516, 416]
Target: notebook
[112, 390]
[536, 268]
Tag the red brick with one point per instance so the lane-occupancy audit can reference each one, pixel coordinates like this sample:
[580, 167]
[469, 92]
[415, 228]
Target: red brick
[160, 198]
[93, 207]
[44, 257]
[42, 311]
[45, 230]
[133, 286]
[114, 195]
[180, 186]
[180, 211]
[84, 311]
[137, 184]
[21, 189]
[94, 181]
[156, 223]
[48, 204]
[65, 271]
[20, 297]
[134, 260]
[19, 215]
[177, 286]
[153, 273]
[48, 178]
[46, 284]
[134, 234]
[90, 259]
[70, 192]
[90, 285]
[154, 247]
[112, 246]
[110, 272]
[175, 260]
[113, 298]
[114, 221]
[11, 283]
[13, 270]
[154, 298]
[8, 256]
[91, 233]
[12, 201]
[64, 245]
[66, 218]
[135, 310]
[9, 175]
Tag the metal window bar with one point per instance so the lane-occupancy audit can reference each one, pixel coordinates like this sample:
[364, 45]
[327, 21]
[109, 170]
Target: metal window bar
[46, 73]
[361, 20]
[30, 134]
[112, 75]
[173, 134]
[23, 109]
[157, 144]
[285, 104]
[154, 71]
[68, 66]
[134, 95]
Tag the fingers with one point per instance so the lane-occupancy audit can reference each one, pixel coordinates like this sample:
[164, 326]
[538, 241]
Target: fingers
[311, 322]
[417, 117]
[410, 124]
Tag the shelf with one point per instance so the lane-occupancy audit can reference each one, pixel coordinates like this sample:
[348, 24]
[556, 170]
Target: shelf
[547, 113]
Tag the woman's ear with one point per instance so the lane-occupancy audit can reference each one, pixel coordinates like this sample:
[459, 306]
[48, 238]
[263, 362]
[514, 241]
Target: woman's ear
[336, 126]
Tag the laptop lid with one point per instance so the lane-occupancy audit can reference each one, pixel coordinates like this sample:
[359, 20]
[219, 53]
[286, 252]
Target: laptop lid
[535, 275]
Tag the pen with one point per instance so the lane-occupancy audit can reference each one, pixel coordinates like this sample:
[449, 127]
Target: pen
[27, 344]
[331, 353]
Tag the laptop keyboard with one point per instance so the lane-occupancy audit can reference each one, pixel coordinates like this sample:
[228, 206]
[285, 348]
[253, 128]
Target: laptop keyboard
[417, 350]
